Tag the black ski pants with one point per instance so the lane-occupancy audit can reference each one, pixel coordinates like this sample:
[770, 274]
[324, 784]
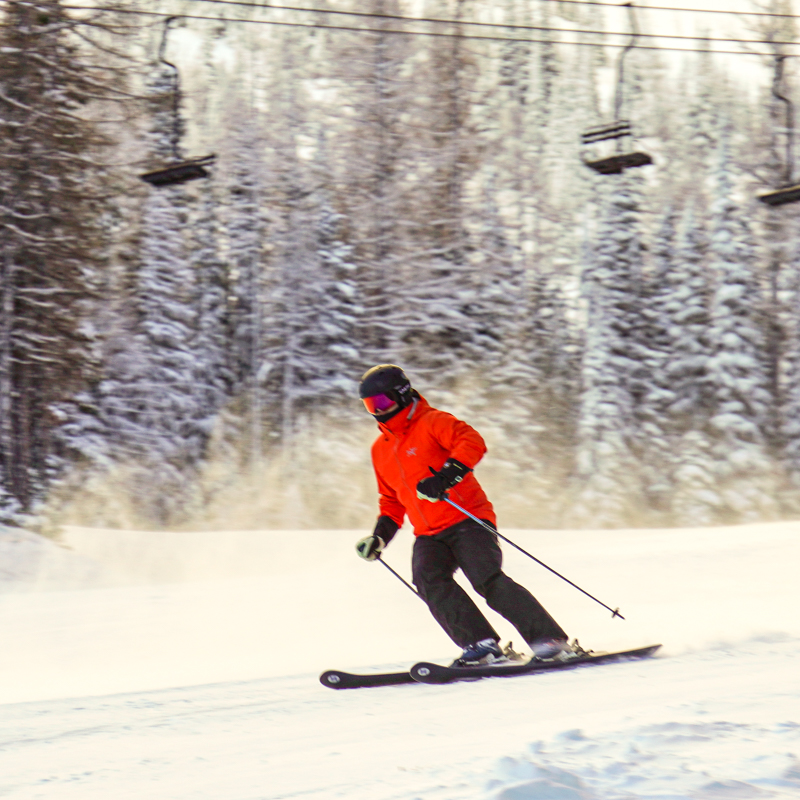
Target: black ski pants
[476, 551]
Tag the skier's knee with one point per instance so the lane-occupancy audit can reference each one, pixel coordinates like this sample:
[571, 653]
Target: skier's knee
[484, 587]
[432, 585]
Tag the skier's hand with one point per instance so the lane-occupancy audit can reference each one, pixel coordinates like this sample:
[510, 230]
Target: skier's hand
[435, 487]
[370, 547]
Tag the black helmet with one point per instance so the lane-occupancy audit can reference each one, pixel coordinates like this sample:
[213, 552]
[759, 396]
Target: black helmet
[388, 380]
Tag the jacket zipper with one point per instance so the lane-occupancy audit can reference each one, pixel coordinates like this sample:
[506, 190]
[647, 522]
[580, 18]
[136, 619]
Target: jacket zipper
[405, 483]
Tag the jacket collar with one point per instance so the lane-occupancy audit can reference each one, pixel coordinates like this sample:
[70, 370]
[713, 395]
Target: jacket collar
[400, 423]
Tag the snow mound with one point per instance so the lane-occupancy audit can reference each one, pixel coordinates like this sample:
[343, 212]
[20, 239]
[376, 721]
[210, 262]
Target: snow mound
[29, 561]
[542, 790]
[550, 784]
[714, 759]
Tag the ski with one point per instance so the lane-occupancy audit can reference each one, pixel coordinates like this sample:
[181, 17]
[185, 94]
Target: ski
[335, 679]
[425, 672]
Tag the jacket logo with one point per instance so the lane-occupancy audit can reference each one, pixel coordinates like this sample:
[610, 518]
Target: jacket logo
[412, 451]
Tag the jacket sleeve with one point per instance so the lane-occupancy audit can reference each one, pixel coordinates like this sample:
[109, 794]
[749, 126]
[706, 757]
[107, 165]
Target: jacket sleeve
[388, 503]
[462, 442]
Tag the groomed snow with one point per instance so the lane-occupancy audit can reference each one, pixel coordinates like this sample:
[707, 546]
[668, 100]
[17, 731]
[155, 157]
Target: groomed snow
[185, 665]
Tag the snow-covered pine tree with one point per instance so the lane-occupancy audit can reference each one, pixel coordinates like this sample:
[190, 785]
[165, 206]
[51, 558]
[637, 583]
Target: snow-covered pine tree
[316, 305]
[789, 400]
[84, 433]
[212, 343]
[336, 340]
[736, 369]
[153, 398]
[687, 313]
[436, 330]
[312, 347]
[656, 393]
[370, 152]
[701, 125]
[151, 394]
[553, 342]
[609, 487]
[551, 345]
[694, 497]
[245, 215]
[313, 308]
[245, 230]
[50, 240]
[9, 507]
[511, 134]
[292, 259]
[561, 211]
[503, 376]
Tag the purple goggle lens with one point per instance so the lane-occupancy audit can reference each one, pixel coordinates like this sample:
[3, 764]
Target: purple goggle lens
[378, 403]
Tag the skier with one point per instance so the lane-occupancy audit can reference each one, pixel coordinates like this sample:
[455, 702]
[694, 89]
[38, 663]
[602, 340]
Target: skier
[415, 437]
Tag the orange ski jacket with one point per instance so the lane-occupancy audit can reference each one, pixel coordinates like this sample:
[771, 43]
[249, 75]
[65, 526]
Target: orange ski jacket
[417, 438]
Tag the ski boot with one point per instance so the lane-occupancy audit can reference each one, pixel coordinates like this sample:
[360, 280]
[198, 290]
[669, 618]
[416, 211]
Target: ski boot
[487, 651]
[551, 649]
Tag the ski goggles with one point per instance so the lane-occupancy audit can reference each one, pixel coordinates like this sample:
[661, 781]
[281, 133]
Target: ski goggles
[378, 403]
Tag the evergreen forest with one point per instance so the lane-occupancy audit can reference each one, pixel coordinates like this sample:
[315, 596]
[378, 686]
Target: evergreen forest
[387, 181]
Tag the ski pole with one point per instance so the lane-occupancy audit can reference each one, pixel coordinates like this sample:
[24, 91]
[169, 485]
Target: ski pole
[398, 576]
[614, 611]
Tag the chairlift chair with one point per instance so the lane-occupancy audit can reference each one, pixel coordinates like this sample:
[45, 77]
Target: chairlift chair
[789, 192]
[619, 129]
[180, 173]
[181, 170]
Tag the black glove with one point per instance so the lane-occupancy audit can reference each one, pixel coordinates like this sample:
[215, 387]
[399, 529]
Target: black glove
[435, 487]
[370, 547]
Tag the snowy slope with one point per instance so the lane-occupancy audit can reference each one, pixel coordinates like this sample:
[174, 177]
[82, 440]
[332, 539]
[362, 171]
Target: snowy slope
[187, 668]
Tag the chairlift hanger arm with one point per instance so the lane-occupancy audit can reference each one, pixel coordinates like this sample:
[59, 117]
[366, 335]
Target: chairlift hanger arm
[619, 129]
[180, 171]
[787, 193]
[776, 86]
[176, 88]
[163, 46]
[621, 68]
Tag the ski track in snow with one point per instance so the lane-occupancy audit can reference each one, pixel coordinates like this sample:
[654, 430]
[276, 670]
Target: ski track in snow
[84, 715]
[667, 735]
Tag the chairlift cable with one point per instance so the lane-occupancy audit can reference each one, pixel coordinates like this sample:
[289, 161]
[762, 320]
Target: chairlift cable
[673, 9]
[470, 37]
[440, 21]
[504, 25]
